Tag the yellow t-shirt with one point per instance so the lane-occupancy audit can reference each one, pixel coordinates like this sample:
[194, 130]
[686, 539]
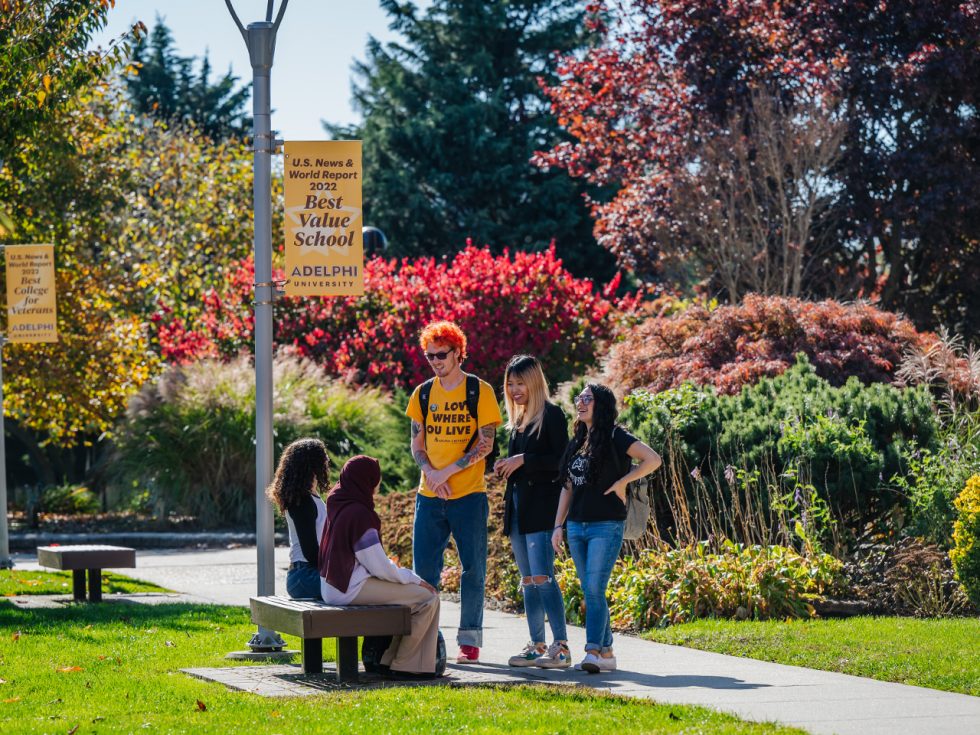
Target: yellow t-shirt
[448, 428]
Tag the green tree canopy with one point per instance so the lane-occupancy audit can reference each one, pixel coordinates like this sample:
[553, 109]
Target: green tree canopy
[45, 62]
[451, 118]
[165, 86]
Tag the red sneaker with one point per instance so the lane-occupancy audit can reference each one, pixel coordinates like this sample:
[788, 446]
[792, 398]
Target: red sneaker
[468, 655]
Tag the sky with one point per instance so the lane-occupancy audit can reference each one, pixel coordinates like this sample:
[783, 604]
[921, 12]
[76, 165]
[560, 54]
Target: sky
[316, 46]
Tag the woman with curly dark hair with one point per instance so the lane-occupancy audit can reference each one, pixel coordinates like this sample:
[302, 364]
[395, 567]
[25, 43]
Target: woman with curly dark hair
[295, 491]
[595, 470]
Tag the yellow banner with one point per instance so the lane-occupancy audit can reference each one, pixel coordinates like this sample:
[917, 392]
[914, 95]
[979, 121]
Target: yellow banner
[324, 247]
[31, 310]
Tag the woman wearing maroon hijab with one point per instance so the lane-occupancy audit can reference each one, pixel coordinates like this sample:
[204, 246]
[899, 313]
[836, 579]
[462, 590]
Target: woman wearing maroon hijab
[354, 569]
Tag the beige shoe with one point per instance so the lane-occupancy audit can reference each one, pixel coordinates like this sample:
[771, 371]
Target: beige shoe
[529, 656]
[557, 657]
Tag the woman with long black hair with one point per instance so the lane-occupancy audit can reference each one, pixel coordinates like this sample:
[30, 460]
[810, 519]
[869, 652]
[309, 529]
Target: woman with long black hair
[596, 469]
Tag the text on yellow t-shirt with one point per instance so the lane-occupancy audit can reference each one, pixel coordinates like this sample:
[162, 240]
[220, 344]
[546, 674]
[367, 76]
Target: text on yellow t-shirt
[448, 428]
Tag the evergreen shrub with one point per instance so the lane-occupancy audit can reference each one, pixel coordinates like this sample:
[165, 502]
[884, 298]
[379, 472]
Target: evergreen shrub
[68, 498]
[187, 443]
[792, 432]
[951, 370]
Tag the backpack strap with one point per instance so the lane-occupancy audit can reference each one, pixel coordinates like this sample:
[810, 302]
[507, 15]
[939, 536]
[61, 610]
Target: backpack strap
[473, 396]
[425, 392]
[472, 405]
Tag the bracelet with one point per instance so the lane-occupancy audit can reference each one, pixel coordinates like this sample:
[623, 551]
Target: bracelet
[555, 528]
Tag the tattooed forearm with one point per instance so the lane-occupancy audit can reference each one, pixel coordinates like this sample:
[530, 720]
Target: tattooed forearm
[469, 458]
[481, 450]
[419, 454]
[486, 440]
[422, 459]
[486, 435]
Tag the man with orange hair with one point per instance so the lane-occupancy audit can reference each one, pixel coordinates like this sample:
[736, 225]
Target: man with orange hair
[454, 416]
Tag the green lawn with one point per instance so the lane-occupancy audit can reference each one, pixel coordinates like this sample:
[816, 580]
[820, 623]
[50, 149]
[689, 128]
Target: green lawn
[15, 582]
[939, 654]
[114, 668]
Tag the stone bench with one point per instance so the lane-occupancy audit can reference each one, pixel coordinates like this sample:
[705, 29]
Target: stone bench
[312, 621]
[91, 558]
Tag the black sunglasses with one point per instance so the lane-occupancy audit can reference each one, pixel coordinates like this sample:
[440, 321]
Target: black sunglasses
[430, 356]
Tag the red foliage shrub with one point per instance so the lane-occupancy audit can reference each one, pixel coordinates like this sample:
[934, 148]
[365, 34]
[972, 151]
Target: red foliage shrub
[223, 328]
[522, 303]
[734, 346]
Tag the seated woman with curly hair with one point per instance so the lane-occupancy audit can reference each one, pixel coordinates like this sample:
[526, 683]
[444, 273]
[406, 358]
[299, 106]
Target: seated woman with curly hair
[295, 490]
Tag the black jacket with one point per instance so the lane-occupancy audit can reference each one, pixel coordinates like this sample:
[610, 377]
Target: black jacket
[536, 483]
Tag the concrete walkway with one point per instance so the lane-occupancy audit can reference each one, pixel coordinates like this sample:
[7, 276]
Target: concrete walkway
[817, 701]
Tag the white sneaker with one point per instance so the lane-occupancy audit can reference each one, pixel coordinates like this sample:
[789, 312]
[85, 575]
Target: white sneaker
[594, 664]
[590, 658]
[557, 657]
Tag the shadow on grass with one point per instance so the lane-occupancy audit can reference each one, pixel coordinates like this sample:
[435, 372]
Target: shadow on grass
[178, 616]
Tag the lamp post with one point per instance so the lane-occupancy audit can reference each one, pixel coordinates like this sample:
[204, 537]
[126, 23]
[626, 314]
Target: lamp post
[260, 38]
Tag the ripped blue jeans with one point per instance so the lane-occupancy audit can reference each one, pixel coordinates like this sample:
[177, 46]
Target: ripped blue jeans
[536, 558]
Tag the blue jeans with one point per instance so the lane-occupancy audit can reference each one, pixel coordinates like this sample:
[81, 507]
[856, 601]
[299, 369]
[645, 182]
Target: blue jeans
[466, 520]
[595, 547]
[536, 558]
[303, 582]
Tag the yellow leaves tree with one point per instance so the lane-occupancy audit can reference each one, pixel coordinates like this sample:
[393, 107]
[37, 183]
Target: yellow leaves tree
[140, 214]
[73, 389]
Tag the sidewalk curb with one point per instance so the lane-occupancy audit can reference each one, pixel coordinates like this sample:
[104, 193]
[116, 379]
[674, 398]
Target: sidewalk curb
[140, 539]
